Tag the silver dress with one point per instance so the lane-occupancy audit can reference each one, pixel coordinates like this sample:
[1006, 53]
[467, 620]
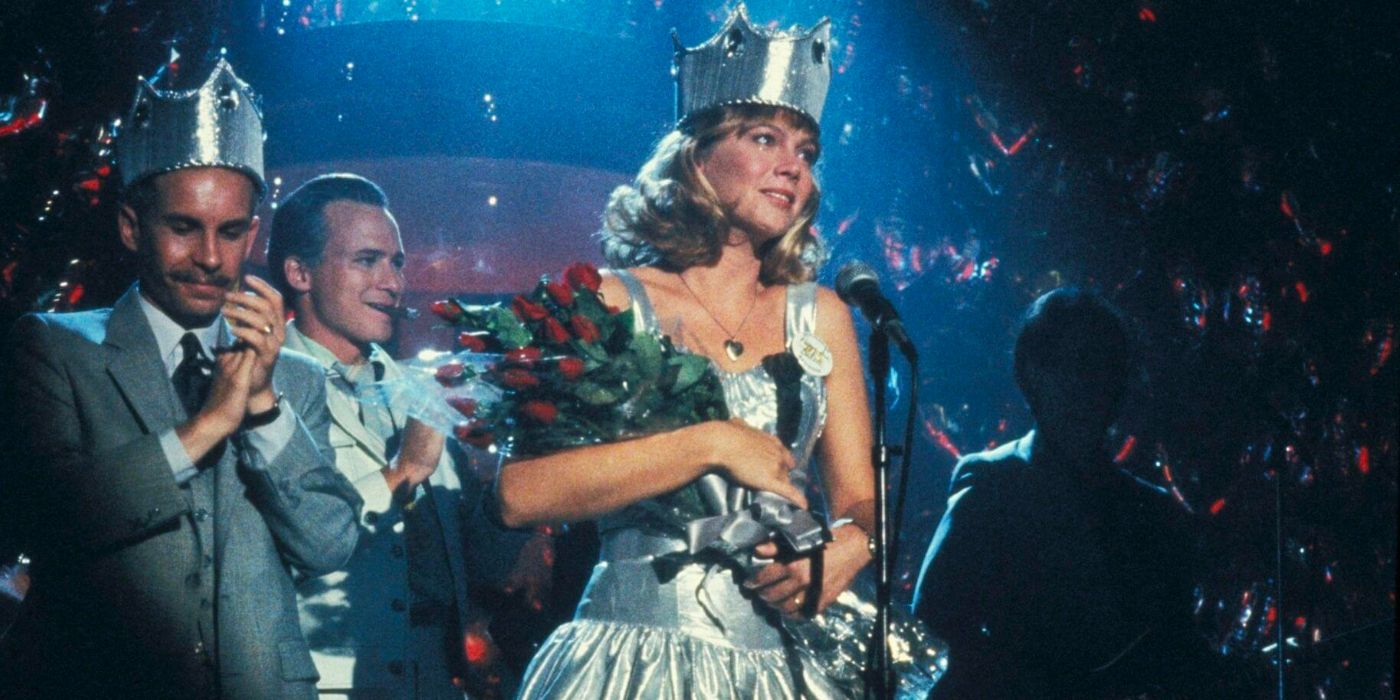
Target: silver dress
[699, 635]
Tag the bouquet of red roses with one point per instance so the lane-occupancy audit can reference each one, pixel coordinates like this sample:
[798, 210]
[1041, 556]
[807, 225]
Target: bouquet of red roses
[571, 371]
[559, 368]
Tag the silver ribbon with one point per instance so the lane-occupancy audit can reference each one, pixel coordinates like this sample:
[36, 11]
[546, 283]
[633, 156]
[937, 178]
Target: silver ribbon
[834, 644]
[767, 516]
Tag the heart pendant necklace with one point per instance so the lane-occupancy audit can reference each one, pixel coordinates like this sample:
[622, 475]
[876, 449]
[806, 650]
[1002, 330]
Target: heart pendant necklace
[733, 349]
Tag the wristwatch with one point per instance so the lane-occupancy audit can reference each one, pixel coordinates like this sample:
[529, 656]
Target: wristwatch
[258, 420]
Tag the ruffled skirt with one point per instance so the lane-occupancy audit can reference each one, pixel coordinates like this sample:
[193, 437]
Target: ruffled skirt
[694, 637]
[595, 659]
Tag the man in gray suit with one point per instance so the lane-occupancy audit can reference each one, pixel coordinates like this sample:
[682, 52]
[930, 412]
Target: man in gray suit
[169, 464]
[393, 623]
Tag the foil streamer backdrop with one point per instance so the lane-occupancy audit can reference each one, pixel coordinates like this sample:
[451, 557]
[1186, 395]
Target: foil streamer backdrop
[1224, 171]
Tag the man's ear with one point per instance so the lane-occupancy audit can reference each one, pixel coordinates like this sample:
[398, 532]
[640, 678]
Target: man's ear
[298, 273]
[253, 226]
[129, 227]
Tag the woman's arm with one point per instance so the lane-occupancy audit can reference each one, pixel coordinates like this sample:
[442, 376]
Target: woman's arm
[590, 481]
[844, 450]
[847, 439]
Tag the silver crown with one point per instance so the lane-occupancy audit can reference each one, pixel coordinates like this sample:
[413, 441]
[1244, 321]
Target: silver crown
[743, 64]
[215, 124]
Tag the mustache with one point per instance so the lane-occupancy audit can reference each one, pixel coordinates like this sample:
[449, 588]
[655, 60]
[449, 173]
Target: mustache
[190, 277]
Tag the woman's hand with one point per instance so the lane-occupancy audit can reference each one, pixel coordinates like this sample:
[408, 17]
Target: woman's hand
[785, 586]
[752, 458]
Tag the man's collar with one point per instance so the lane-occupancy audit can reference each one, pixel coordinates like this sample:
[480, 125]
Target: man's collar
[324, 356]
[168, 332]
[305, 344]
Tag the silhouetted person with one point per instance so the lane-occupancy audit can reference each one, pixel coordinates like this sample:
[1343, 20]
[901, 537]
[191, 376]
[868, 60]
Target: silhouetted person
[1053, 573]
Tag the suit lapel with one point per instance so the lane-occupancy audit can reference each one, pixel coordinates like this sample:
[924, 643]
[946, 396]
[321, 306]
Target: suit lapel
[137, 370]
[136, 367]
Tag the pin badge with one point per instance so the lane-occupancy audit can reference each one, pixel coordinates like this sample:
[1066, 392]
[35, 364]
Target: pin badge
[812, 354]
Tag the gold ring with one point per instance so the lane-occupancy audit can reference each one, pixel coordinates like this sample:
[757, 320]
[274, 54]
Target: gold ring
[267, 330]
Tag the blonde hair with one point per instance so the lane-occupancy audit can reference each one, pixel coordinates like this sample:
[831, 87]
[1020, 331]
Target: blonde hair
[671, 217]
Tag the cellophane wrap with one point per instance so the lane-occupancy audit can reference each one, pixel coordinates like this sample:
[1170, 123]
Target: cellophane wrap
[837, 642]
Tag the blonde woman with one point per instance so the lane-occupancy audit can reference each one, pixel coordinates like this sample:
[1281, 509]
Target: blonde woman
[715, 249]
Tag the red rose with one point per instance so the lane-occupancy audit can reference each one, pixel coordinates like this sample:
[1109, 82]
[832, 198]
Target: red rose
[554, 331]
[450, 372]
[585, 329]
[524, 357]
[570, 368]
[527, 310]
[464, 405]
[446, 309]
[542, 412]
[515, 378]
[560, 292]
[474, 433]
[470, 342]
[582, 275]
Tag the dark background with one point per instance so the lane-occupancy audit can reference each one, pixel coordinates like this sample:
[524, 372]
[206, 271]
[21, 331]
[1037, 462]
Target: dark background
[1224, 170]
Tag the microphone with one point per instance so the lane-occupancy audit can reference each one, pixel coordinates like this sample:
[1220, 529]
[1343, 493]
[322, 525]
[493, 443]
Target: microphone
[858, 285]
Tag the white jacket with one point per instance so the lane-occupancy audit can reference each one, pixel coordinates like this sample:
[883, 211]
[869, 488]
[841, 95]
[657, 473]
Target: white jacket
[356, 620]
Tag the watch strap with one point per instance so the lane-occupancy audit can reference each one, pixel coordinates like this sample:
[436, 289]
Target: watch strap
[258, 420]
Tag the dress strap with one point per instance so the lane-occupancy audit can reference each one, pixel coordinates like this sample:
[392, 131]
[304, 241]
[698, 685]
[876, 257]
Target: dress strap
[641, 304]
[801, 311]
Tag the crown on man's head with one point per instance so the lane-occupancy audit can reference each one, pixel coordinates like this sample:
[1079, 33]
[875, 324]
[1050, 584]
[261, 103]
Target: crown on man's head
[743, 64]
[216, 124]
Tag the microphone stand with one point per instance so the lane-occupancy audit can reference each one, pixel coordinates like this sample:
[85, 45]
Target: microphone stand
[880, 683]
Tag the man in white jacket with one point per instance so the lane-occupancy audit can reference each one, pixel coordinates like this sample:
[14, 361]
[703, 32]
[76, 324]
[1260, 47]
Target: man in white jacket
[392, 624]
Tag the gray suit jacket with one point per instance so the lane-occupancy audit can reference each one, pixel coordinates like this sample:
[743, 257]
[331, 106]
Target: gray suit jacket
[142, 586]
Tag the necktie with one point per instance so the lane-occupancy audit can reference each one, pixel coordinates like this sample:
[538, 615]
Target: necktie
[377, 417]
[193, 375]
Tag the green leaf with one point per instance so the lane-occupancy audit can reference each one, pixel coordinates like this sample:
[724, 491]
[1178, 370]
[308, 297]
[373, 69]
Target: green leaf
[647, 351]
[595, 394]
[508, 329]
[669, 373]
[692, 368]
[589, 351]
[617, 331]
[590, 306]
